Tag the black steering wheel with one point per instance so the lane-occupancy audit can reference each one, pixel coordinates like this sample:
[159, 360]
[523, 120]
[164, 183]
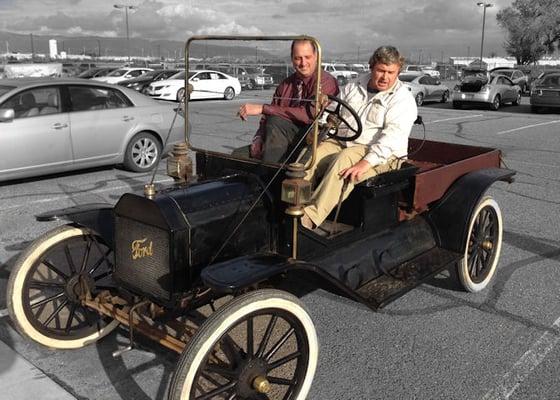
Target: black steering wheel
[335, 120]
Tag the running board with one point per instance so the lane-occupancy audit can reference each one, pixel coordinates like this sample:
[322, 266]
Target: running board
[382, 290]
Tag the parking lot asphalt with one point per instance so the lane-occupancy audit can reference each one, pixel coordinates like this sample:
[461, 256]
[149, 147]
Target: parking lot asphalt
[434, 343]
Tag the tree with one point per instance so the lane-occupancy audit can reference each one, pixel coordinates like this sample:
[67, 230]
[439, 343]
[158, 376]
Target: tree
[533, 28]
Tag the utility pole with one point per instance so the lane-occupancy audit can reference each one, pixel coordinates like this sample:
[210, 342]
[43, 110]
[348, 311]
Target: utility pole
[126, 8]
[484, 6]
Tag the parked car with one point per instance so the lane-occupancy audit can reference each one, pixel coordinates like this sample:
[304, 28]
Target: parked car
[207, 84]
[546, 93]
[141, 83]
[340, 72]
[279, 72]
[56, 125]
[96, 71]
[517, 76]
[493, 90]
[425, 87]
[122, 74]
[535, 82]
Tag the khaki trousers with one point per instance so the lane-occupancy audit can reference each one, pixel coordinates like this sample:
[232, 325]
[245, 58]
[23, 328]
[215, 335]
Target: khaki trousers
[332, 158]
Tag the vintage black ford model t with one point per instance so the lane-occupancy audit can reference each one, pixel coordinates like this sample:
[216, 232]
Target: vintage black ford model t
[211, 267]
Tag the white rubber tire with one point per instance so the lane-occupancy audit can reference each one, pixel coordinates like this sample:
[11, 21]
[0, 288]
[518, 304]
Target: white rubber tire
[15, 291]
[228, 316]
[463, 270]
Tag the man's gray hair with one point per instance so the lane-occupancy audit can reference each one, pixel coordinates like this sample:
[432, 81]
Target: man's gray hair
[386, 55]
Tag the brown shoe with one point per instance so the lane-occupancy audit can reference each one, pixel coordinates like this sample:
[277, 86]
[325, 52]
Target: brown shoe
[306, 222]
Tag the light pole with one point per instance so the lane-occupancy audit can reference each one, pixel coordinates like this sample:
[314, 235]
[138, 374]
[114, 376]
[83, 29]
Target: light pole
[484, 7]
[126, 8]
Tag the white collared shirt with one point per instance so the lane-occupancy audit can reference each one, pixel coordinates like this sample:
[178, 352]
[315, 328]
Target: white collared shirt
[387, 119]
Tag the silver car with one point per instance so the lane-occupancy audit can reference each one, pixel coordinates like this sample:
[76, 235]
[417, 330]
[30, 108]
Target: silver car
[424, 87]
[55, 125]
[486, 89]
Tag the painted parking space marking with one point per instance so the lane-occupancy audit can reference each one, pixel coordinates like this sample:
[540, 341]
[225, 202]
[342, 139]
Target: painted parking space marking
[56, 198]
[525, 365]
[3, 313]
[528, 126]
[454, 118]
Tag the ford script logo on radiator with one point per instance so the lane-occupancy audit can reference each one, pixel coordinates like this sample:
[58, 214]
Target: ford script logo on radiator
[140, 249]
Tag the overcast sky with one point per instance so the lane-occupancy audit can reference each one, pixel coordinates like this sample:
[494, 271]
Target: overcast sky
[417, 27]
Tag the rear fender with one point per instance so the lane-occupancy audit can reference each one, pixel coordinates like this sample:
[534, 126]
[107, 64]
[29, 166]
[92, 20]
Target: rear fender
[451, 215]
[96, 216]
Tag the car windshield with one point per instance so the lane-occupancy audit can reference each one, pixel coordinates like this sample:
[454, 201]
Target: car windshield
[504, 72]
[551, 81]
[180, 75]
[118, 72]
[150, 74]
[5, 89]
[407, 77]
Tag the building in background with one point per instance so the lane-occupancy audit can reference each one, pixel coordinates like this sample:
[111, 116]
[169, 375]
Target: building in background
[53, 51]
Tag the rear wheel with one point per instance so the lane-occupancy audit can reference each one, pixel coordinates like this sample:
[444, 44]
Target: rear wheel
[142, 152]
[48, 282]
[419, 99]
[180, 97]
[229, 93]
[517, 100]
[261, 345]
[495, 105]
[444, 97]
[482, 248]
[251, 85]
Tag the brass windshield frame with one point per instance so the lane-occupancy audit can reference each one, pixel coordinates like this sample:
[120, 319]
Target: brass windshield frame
[255, 38]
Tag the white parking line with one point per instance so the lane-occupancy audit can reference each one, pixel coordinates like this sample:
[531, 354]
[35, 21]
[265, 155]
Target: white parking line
[52, 199]
[528, 126]
[3, 313]
[454, 118]
[523, 367]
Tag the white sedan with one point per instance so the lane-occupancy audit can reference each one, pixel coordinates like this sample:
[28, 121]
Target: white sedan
[122, 74]
[206, 84]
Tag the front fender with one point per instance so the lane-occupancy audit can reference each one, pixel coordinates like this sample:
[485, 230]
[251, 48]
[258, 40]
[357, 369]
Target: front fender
[451, 215]
[95, 216]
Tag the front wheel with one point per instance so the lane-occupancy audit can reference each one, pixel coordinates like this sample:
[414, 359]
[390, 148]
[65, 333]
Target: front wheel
[180, 97]
[229, 93]
[482, 248]
[261, 345]
[48, 282]
[142, 152]
[444, 97]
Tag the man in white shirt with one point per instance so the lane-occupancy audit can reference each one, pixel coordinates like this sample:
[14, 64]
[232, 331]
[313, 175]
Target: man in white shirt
[387, 111]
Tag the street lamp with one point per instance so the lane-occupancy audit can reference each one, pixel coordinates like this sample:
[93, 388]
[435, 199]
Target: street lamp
[126, 8]
[484, 7]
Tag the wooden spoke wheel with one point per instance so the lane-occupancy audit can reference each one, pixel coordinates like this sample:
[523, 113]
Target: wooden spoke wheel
[48, 282]
[482, 248]
[261, 345]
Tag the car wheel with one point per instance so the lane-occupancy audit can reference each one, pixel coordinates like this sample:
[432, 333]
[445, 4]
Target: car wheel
[251, 85]
[261, 345]
[457, 104]
[229, 93]
[142, 152]
[48, 282]
[495, 105]
[517, 100]
[180, 95]
[482, 248]
[445, 97]
[419, 99]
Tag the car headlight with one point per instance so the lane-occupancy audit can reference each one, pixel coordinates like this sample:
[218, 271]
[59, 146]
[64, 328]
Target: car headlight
[485, 88]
